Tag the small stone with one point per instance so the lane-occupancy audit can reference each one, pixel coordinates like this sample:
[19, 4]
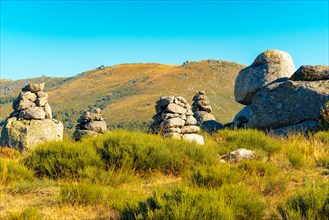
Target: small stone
[190, 120]
[36, 113]
[173, 122]
[42, 94]
[41, 101]
[200, 97]
[78, 134]
[23, 104]
[173, 108]
[97, 126]
[33, 87]
[190, 129]
[97, 110]
[27, 96]
[166, 116]
[172, 130]
[48, 111]
[198, 139]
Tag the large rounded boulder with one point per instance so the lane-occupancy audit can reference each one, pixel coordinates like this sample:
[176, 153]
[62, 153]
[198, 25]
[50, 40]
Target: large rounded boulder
[269, 66]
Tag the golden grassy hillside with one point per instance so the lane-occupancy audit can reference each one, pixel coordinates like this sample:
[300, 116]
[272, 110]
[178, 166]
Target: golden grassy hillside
[127, 92]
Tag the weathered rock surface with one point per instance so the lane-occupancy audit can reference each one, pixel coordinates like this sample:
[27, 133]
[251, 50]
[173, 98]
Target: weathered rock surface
[311, 73]
[90, 124]
[288, 103]
[26, 134]
[269, 66]
[174, 119]
[242, 118]
[211, 126]
[305, 128]
[31, 122]
[238, 155]
[36, 113]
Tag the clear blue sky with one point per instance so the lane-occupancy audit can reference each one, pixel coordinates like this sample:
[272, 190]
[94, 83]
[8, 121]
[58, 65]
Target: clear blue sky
[65, 38]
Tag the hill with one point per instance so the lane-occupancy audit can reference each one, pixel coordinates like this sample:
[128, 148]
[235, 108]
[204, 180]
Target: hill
[127, 92]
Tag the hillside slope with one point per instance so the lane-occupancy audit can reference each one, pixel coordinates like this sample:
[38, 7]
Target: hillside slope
[127, 92]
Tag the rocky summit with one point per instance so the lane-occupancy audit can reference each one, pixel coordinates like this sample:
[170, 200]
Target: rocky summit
[90, 124]
[279, 104]
[269, 66]
[31, 122]
[174, 119]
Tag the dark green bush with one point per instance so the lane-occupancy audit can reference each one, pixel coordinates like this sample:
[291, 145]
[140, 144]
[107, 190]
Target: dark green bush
[11, 171]
[181, 203]
[82, 194]
[142, 152]
[62, 159]
[246, 138]
[215, 176]
[309, 203]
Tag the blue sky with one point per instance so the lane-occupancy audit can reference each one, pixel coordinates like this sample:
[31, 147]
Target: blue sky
[65, 38]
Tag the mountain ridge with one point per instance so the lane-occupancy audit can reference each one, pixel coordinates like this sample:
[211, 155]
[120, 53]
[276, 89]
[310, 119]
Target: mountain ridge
[127, 92]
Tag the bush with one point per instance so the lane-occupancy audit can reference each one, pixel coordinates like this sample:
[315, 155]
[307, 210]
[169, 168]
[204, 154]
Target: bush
[62, 159]
[309, 203]
[146, 152]
[246, 138]
[258, 168]
[215, 176]
[11, 171]
[228, 202]
[82, 194]
[181, 203]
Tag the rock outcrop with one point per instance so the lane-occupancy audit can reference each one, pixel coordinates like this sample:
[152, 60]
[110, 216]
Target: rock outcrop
[31, 123]
[174, 119]
[202, 112]
[269, 66]
[288, 103]
[281, 105]
[90, 124]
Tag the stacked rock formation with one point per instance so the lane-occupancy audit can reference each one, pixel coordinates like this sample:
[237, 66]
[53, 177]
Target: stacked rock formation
[174, 119]
[279, 99]
[90, 124]
[202, 112]
[31, 122]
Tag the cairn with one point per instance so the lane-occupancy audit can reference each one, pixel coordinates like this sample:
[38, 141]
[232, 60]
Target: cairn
[31, 123]
[202, 112]
[174, 119]
[32, 103]
[90, 124]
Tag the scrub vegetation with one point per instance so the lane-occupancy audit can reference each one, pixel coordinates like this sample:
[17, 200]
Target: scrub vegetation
[134, 175]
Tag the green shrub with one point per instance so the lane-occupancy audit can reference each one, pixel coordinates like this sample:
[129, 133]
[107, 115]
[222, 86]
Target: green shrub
[227, 202]
[31, 213]
[215, 176]
[82, 194]
[181, 203]
[62, 159]
[246, 138]
[258, 168]
[296, 158]
[246, 203]
[146, 152]
[11, 171]
[309, 203]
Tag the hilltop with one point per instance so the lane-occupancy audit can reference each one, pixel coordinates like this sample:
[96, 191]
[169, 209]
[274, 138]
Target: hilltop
[127, 92]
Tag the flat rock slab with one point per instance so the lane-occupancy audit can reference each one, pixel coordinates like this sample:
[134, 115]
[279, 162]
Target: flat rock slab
[198, 139]
[26, 134]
